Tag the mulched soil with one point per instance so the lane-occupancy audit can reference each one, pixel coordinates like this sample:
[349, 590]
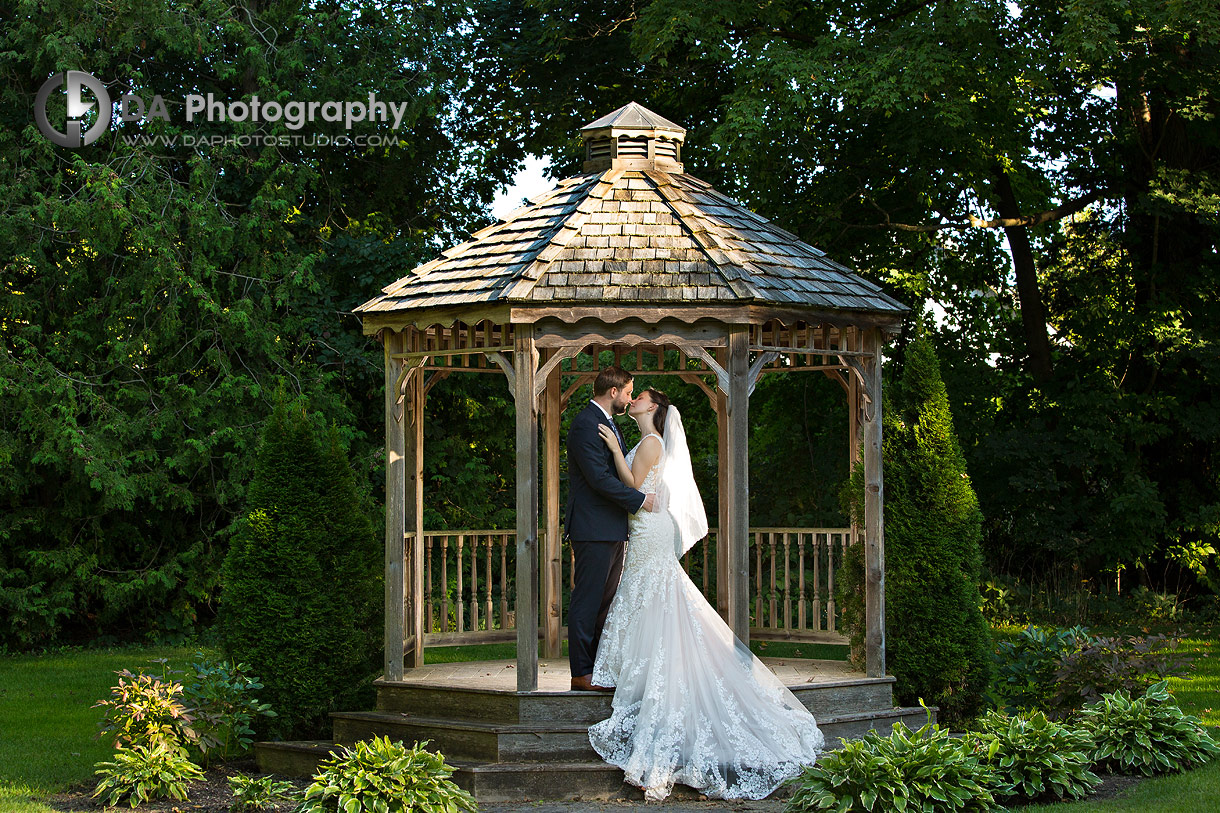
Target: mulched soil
[212, 795]
[208, 795]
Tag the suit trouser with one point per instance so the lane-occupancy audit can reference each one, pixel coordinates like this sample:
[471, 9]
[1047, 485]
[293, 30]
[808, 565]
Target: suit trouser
[598, 568]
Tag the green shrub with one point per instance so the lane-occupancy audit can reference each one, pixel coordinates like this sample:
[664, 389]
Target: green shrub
[254, 793]
[1058, 671]
[221, 695]
[937, 644]
[377, 776]
[1024, 676]
[146, 710]
[301, 592]
[926, 770]
[1035, 758]
[1146, 735]
[142, 773]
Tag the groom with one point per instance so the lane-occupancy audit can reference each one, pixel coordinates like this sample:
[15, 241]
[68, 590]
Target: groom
[596, 520]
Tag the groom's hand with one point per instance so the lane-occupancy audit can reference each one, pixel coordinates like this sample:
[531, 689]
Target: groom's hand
[649, 501]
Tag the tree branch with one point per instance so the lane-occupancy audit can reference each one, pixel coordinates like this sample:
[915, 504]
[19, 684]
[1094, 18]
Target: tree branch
[1070, 208]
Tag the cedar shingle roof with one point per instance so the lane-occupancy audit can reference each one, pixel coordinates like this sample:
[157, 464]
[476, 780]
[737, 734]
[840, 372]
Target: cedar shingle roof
[642, 236]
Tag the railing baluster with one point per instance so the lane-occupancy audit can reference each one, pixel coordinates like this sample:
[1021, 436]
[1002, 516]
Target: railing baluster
[461, 597]
[830, 582]
[445, 583]
[817, 582]
[787, 581]
[487, 577]
[758, 597]
[474, 584]
[772, 618]
[707, 544]
[428, 624]
[801, 617]
[504, 582]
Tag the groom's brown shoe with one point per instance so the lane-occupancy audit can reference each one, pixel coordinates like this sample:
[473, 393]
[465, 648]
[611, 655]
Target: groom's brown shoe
[585, 684]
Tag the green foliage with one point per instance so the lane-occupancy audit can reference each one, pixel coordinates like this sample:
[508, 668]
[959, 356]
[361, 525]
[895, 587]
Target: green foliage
[152, 293]
[377, 776]
[870, 132]
[1146, 735]
[142, 773]
[1035, 758]
[938, 645]
[147, 711]
[1025, 668]
[301, 598]
[255, 793]
[1058, 671]
[927, 770]
[221, 696]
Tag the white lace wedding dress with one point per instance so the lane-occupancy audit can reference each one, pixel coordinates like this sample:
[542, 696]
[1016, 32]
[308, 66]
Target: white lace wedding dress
[692, 704]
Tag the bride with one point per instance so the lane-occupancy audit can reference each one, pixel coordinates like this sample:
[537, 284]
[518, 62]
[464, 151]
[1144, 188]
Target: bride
[691, 703]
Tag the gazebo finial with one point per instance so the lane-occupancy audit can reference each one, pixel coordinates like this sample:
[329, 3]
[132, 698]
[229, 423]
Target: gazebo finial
[633, 137]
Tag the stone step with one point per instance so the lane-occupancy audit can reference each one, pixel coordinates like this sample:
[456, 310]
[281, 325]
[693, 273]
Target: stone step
[824, 699]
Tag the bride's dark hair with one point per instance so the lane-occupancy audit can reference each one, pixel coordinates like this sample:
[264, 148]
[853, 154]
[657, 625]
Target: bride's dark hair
[663, 404]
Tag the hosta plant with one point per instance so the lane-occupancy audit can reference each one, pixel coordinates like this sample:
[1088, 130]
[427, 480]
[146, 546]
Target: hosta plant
[142, 773]
[255, 793]
[1146, 735]
[1035, 758]
[378, 776]
[926, 770]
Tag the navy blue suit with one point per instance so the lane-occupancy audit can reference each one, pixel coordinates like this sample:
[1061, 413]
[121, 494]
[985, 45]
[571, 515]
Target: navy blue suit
[596, 522]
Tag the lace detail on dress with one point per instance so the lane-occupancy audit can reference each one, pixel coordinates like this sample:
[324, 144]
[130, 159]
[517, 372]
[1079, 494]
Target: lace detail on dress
[692, 704]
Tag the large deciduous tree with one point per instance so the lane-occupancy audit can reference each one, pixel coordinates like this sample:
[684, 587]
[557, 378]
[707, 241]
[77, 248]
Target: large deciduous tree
[997, 158]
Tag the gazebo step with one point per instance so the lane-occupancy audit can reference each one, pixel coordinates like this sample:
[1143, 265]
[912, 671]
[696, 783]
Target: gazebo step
[562, 742]
[530, 781]
[292, 757]
[471, 739]
[555, 778]
[824, 699]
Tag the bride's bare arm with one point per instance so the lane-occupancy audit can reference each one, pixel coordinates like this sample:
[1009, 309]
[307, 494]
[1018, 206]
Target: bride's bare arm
[647, 456]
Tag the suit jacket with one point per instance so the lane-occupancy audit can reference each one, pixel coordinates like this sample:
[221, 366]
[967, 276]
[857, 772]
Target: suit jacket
[598, 501]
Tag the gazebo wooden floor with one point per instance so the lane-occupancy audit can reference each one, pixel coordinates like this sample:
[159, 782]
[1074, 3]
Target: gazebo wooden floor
[508, 745]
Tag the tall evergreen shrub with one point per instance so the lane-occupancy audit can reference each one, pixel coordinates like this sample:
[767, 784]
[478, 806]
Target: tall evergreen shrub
[937, 643]
[300, 598]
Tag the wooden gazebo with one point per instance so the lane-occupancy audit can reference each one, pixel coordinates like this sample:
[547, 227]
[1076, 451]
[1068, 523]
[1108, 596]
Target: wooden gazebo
[636, 257]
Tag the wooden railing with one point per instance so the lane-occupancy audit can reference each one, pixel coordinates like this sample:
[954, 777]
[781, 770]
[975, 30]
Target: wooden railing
[470, 596]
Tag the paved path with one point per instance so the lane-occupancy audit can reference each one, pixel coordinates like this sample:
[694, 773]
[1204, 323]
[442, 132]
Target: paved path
[675, 806]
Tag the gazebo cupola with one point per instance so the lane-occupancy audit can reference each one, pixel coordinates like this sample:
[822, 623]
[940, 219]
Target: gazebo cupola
[633, 137]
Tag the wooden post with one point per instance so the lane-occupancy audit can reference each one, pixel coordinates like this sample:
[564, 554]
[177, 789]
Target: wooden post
[874, 503]
[722, 483]
[738, 483]
[525, 361]
[395, 520]
[413, 422]
[552, 576]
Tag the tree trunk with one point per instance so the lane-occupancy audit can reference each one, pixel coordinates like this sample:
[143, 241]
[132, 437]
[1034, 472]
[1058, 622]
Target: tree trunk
[1033, 314]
